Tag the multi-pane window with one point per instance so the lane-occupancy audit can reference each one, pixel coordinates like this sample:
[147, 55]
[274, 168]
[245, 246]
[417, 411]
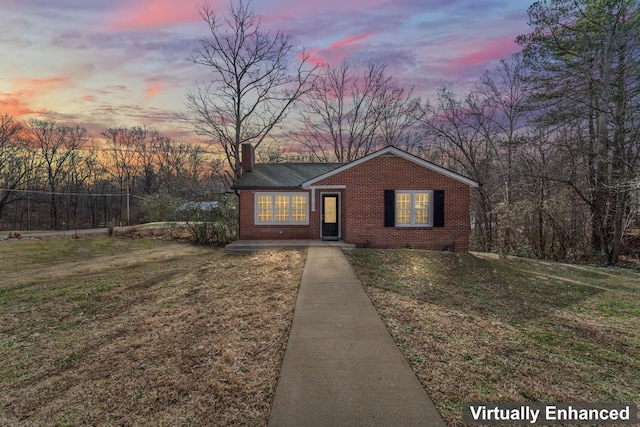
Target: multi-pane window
[281, 212]
[413, 208]
[282, 208]
[403, 208]
[299, 208]
[265, 208]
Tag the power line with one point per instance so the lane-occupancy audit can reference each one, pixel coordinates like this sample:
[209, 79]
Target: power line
[60, 193]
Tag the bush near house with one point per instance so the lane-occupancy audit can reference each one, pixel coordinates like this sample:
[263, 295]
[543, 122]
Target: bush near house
[213, 222]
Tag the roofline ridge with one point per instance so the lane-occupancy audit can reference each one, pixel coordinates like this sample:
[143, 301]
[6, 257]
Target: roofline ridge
[401, 153]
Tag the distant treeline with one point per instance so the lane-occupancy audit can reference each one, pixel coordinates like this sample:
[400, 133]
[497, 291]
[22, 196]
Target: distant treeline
[56, 176]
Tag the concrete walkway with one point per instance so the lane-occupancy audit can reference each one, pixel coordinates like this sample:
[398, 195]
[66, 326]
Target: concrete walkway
[341, 366]
[257, 245]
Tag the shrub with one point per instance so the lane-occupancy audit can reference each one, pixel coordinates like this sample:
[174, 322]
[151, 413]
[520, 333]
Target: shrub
[214, 222]
[158, 207]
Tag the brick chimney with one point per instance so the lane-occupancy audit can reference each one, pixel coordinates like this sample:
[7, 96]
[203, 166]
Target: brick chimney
[248, 158]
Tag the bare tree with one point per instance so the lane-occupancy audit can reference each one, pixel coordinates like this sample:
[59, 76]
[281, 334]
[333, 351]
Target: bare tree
[501, 114]
[399, 123]
[122, 158]
[348, 115]
[56, 146]
[181, 167]
[551, 210]
[148, 144]
[455, 125]
[504, 103]
[81, 169]
[9, 129]
[136, 154]
[17, 161]
[252, 85]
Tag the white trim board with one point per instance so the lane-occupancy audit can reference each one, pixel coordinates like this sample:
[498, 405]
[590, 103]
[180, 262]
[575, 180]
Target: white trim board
[396, 152]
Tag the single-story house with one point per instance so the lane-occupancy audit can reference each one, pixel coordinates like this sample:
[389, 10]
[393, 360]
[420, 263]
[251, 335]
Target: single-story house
[387, 199]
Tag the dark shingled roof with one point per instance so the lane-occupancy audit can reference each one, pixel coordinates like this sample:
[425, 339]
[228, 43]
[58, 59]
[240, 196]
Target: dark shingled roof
[282, 175]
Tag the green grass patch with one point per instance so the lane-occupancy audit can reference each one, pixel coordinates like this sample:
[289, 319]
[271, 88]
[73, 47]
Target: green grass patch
[27, 254]
[484, 328]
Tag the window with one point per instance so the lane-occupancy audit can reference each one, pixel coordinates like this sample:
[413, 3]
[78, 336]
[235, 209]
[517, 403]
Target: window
[281, 208]
[299, 208]
[412, 208]
[409, 208]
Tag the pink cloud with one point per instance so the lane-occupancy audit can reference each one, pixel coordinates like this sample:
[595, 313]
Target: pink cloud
[145, 14]
[488, 50]
[348, 41]
[336, 52]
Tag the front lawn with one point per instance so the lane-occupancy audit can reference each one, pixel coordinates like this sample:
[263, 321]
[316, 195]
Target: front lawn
[114, 331]
[477, 328]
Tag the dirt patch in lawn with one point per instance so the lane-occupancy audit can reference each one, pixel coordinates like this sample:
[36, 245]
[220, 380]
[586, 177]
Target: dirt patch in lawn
[141, 332]
[485, 329]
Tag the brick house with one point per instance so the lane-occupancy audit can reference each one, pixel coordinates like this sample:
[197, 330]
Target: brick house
[387, 199]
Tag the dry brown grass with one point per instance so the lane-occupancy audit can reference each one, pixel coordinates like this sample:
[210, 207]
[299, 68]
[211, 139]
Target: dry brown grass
[479, 329]
[141, 332]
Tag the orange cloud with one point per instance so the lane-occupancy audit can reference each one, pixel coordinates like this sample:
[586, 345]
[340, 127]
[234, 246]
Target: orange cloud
[25, 91]
[13, 106]
[33, 86]
[153, 88]
[155, 13]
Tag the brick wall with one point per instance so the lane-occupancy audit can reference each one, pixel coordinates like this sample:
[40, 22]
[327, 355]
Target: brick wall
[363, 205]
[362, 208]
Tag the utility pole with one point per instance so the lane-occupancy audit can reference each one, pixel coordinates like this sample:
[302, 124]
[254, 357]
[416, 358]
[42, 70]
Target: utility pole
[128, 217]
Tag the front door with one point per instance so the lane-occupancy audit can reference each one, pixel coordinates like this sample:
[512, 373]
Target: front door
[330, 217]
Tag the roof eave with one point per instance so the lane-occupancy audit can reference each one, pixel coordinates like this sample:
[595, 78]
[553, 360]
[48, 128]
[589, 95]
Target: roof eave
[399, 153]
[265, 187]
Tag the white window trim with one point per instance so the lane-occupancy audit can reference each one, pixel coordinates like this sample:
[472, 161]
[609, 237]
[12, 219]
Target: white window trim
[413, 208]
[273, 195]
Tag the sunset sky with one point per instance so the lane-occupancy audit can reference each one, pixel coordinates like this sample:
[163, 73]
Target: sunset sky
[101, 63]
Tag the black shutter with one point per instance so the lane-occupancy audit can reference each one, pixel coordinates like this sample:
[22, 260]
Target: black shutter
[389, 208]
[438, 208]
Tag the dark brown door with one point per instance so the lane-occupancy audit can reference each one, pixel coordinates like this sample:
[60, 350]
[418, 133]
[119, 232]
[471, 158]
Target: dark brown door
[330, 217]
